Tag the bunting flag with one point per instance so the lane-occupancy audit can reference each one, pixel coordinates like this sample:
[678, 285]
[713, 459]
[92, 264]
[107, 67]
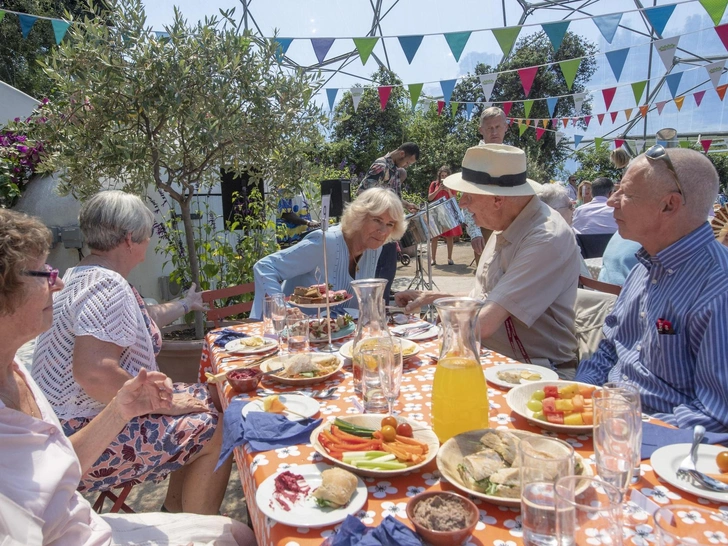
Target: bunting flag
[628, 113]
[527, 76]
[551, 105]
[673, 82]
[565, 121]
[638, 88]
[321, 47]
[616, 60]
[2, 15]
[579, 102]
[659, 16]
[660, 106]
[410, 45]
[356, 93]
[440, 106]
[555, 123]
[558, 136]
[618, 142]
[679, 102]
[722, 32]
[457, 41]
[487, 82]
[365, 46]
[545, 123]
[469, 109]
[715, 70]
[715, 8]
[539, 133]
[522, 128]
[447, 87]
[415, 89]
[506, 37]
[705, 143]
[59, 29]
[684, 144]
[283, 45]
[587, 119]
[666, 48]
[600, 118]
[613, 115]
[331, 94]
[608, 95]
[556, 32]
[698, 97]
[527, 105]
[454, 108]
[598, 142]
[384, 92]
[507, 107]
[607, 25]
[643, 110]
[26, 23]
[577, 140]
[721, 90]
[573, 121]
[569, 69]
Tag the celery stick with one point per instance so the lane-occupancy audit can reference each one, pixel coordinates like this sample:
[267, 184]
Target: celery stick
[363, 454]
[387, 465]
[388, 457]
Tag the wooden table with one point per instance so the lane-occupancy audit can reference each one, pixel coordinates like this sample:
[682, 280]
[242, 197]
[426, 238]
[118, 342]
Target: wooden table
[498, 526]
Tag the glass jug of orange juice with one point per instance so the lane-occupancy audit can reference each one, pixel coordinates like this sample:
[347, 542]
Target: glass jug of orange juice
[459, 392]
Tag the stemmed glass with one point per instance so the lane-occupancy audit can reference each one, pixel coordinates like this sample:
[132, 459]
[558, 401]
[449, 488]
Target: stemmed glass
[390, 374]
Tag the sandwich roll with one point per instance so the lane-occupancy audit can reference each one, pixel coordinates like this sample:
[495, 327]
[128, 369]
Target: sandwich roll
[337, 487]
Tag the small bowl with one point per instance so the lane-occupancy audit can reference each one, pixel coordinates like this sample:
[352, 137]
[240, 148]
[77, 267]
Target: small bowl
[444, 538]
[247, 383]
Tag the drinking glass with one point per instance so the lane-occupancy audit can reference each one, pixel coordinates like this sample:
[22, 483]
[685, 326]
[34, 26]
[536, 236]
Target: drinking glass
[542, 462]
[278, 309]
[390, 374]
[631, 394]
[615, 433]
[377, 354]
[297, 329]
[684, 525]
[268, 315]
[588, 511]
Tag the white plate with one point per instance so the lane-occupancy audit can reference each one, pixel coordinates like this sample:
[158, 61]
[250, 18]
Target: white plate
[518, 396]
[374, 421]
[410, 348]
[430, 333]
[236, 346]
[319, 305]
[277, 362]
[491, 374]
[666, 460]
[305, 513]
[346, 331]
[305, 405]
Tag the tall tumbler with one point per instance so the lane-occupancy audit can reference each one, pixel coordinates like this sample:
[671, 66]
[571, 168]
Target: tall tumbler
[631, 394]
[588, 511]
[615, 439]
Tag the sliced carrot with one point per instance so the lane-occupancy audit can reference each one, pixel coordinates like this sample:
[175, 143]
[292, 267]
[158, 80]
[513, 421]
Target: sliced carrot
[410, 441]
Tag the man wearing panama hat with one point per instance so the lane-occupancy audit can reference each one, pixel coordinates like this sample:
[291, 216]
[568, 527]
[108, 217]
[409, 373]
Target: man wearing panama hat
[529, 270]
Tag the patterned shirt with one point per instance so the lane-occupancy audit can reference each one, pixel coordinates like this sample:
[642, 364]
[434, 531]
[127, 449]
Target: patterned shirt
[382, 174]
[682, 375]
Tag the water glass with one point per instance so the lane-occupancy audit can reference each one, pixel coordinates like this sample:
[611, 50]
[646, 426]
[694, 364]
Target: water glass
[684, 525]
[588, 511]
[631, 394]
[615, 438]
[543, 461]
[375, 356]
[278, 313]
[297, 330]
[390, 374]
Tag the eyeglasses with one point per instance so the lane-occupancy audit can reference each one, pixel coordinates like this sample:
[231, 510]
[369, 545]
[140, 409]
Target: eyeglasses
[49, 273]
[658, 152]
[570, 206]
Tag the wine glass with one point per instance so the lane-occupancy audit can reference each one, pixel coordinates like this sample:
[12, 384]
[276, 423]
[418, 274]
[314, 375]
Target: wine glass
[390, 374]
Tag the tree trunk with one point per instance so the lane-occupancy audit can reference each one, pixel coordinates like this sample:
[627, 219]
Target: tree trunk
[194, 261]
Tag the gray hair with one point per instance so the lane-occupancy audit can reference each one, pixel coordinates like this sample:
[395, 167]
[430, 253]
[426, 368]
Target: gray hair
[373, 202]
[491, 112]
[698, 178]
[109, 216]
[554, 195]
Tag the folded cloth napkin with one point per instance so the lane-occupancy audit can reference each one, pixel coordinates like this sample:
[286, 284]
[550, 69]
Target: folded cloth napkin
[390, 532]
[226, 335]
[262, 431]
[656, 436]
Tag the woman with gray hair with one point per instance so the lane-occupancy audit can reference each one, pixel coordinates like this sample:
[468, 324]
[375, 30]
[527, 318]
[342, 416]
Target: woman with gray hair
[102, 336]
[352, 249]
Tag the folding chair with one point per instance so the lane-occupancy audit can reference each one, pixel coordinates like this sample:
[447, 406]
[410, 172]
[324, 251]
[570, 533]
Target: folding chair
[118, 500]
[593, 245]
[599, 286]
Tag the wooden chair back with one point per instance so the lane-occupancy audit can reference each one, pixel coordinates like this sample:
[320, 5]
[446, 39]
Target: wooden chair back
[118, 500]
[217, 314]
[599, 286]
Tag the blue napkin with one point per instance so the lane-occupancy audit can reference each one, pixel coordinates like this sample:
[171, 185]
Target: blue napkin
[656, 436]
[390, 532]
[262, 431]
[226, 335]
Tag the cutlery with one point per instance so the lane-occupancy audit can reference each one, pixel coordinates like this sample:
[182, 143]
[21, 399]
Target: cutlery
[688, 471]
[322, 394]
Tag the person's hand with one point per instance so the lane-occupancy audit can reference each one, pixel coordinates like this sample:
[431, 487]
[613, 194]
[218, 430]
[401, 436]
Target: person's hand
[182, 404]
[412, 207]
[313, 224]
[148, 392]
[412, 300]
[478, 244]
[194, 299]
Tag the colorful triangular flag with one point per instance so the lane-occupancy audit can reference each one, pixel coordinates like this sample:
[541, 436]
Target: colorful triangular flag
[673, 82]
[587, 119]
[539, 133]
[618, 142]
[715, 8]
[643, 109]
[577, 140]
[507, 107]
[666, 49]
[659, 16]
[2, 15]
[454, 108]
[565, 121]
[384, 92]
[600, 118]
[410, 45]
[356, 93]
[487, 82]
[527, 76]
[545, 123]
[607, 25]
[522, 128]
[59, 29]
[608, 95]
[721, 90]
[616, 60]
[469, 109]
[415, 89]
[705, 143]
[715, 71]
[506, 37]
[613, 115]
[660, 105]
[579, 102]
[638, 88]
[598, 142]
[440, 106]
[569, 69]
[283, 45]
[698, 96]
[321, 47]
[447, 87]
[365, 46]
[556, 32]
[26, 23]
[559, 136]
[331, 95]
[551, 105]
[628, 113]
[457, 41]
[679, 102]
[527, 105]
[722, 32]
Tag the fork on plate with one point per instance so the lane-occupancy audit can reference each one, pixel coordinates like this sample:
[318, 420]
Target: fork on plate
[687, 470]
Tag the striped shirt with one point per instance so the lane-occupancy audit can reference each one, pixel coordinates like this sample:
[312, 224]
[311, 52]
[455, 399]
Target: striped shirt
[682, 376]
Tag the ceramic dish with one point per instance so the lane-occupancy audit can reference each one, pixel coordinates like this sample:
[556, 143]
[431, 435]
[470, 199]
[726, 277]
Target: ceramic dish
[491, 374]
[303, 406]
[238, 347]
[666, 460]
[374, 421]
[431, 332]
[518, 396]
[305, 513]
[319, 305]
[278, 361]
[345, 331]
[410, 348]
[452, 452]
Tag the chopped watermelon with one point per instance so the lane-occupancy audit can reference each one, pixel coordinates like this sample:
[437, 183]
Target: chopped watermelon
[551, 391]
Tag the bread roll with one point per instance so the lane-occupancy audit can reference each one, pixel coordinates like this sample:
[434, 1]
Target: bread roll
[337, 487]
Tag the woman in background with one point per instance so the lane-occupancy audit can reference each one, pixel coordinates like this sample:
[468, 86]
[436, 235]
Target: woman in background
[438, 190]
[584, 193]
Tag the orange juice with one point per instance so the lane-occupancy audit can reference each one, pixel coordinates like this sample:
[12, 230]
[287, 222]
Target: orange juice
[459, 397]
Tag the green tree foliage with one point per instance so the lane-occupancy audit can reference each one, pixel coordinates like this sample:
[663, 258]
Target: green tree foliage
[594, 162]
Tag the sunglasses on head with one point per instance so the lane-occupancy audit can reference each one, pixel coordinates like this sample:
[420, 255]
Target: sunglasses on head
[658, 152]
[49, 273]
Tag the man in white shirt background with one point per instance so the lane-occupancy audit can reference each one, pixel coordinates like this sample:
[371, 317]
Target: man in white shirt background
[596, 216]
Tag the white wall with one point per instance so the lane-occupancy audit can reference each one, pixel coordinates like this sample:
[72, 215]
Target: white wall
[14, 104]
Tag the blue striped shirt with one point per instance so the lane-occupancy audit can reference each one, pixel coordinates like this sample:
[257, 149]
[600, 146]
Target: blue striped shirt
[683, 377]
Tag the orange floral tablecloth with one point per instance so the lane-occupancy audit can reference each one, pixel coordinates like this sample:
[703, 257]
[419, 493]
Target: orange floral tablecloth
[498, 526]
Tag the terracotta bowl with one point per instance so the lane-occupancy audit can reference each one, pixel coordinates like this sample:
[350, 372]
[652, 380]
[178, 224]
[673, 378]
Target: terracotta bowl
[444, 538]
[244, 379]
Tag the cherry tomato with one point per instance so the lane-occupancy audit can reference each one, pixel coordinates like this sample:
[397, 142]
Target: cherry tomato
[404, 429]
[389, 421]
[722, 461]
[388, 433]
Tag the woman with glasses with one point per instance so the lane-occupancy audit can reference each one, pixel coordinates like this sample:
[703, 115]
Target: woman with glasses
[103, 335]
[41, 468]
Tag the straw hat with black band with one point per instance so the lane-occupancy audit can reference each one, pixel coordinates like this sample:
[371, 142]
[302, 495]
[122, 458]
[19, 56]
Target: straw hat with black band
[493, 169]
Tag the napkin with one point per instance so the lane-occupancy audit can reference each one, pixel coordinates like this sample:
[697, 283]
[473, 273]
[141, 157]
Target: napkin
[390, 532]
[226, 335]
[262, 431]
[656, 436]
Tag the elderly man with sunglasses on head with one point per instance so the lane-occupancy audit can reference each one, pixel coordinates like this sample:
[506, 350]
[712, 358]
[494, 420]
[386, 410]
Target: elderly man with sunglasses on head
[667, 332]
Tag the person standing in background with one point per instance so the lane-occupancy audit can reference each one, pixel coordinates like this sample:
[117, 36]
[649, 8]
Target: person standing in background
[584, 193]
[436, 191]
[294, 219]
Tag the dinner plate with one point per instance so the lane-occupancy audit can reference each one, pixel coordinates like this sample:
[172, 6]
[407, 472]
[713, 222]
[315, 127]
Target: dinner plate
[305, 512]
[236, 346]
[491, 374]
[345, 331]
[410, 348]
[303, 405]
[453, 450]
[431, 332]
[666, 460]
[518, 397]
[279, 361]
[374, 421]
[319, 305]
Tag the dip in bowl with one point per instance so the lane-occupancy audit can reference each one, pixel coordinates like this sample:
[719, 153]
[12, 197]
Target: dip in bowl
[442, 518]
[244, 379]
